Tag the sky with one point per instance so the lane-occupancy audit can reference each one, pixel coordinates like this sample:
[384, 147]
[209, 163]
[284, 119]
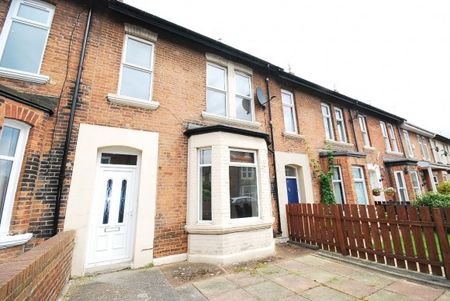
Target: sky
[394, 55]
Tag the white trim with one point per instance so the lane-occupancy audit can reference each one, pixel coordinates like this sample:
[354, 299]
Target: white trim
[140, 68]
[394, 153]
[408, 143]
[141, 32]
[170, 259]
[402, 187]
[8, 241]
[385, 135]
[15, 172]
[340, 143]
[392, 138]
[297, 181]
[294, 136]
[232, 228]
[340, 120]
[327, 121]
[200, 194]
[133, 102]
[291, 106]
[10, 18]
[229, 120]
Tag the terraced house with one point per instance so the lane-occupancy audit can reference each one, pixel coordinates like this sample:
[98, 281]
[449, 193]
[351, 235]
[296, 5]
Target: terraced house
[157, 144]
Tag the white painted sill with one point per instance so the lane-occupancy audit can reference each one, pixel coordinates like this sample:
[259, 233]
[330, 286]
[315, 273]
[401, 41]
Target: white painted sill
[133, 102]
[340, 143]
[394, 153]
[229, 120]
[369, 148]
[25, 76]
[294, 136]
[7, 241]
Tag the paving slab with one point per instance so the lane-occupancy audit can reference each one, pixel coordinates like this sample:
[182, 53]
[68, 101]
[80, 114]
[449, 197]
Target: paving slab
[292, 265]
[268, 291]
[323, 293]
[319, 275]
[215, 286]
[295, 283]
[271, 271]
[444, 297]
[383, 295]
[190, 293]
[245, 278]
[352, 287]
[234, 295]
[414, 290]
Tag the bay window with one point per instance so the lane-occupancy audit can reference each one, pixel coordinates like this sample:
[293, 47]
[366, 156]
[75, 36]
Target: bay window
[338, 185]
[205, 213]
[360, 185]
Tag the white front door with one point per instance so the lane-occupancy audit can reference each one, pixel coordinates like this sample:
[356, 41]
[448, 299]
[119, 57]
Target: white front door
[112, 224]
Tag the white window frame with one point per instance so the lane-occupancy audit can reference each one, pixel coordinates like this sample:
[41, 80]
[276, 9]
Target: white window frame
[408, 143]
[327, 121]
[364, 131]
[291, 106]
[385, 136]
[401, 187]
[231, 69]
[340, 124]
[360, 180]
[423, 147]
[417, 189]
[393, 138]
[124, 63]
[200, 194]
[15, 172]
[242, 164]
[12, 17]
[340, 182]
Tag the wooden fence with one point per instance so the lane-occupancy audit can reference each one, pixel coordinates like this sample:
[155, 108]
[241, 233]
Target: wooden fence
[410, 238]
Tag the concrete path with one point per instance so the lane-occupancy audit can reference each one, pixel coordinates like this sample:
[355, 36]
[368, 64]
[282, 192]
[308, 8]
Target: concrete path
[295, 274]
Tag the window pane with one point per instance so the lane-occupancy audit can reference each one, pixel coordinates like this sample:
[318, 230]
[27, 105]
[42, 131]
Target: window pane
[135, 83]
[360, 193]
[205, 186]
[33, 13]
[289, 123]
[243, 194]
[325, 110]
[287, 98]
[123, 195]
[8, 141]
[216, 102]
[24, 48]
[243, 85]
[118, 159]
[242, 157]
[400, 180]
[216, 77]
[205, 156]
[357, 174]
[243, 108]
[5, 172]
[338, 193]
[138, 53]
[290, 171]
[336, 174]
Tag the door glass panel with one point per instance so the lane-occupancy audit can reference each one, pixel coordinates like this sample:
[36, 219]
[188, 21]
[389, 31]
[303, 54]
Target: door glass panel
[33, 13]
[119, 159]
[8, 141]
[123, 193]
[107, 201]
[360, 193]
[5, 172]
[24, 48]
[290, 171]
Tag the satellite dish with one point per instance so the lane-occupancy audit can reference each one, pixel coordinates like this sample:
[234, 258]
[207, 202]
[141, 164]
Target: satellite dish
[261, 97]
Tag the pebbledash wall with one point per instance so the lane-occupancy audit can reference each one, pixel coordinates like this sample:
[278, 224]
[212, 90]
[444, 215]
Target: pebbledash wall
[165, 133]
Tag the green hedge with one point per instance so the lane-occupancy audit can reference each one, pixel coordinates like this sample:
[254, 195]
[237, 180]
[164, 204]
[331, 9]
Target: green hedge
[444, 188]
[433, 199]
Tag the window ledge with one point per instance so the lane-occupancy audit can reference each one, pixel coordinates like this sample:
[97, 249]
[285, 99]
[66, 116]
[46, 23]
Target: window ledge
[394, 153]
[133, 102]
[341, 143]
[208, 229]
[294, 136]
[25, 76]
[369, 148]
[7, 241]
[229, 120]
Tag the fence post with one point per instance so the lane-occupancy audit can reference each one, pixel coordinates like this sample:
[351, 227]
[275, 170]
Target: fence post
[337, 211]
[288, 220]
[443, 240]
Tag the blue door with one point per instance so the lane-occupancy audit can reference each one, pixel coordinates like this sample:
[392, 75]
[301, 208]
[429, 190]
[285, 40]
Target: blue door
[292, 191]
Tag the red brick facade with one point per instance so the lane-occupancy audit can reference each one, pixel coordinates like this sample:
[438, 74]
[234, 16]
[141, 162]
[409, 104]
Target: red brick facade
[179, 78]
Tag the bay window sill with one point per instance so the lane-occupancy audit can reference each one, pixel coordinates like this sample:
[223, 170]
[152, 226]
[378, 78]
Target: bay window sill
[340, 143]
[7, 241]
[294, 135]
[229, 120]
[25, 76]
[394, 153]
[133, 102]
[208, 229]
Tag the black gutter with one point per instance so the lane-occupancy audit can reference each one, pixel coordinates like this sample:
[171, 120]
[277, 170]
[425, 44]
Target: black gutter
[70, 123]
[226, 129]
[275, 186]
[26, 102]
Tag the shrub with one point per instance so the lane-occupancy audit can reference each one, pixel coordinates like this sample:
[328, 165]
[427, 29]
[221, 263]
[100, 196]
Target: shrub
[444, 188]
[326, 190]
[433, 199]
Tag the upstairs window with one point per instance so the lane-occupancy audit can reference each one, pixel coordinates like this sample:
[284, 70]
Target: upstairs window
[423, 147]
[364, 132]
[340, 124]
[24, 36]
[408, 143]
[393, 138]
[290, 122]
[228, 92]
[385, 136]
[137, 69]
[327, 122]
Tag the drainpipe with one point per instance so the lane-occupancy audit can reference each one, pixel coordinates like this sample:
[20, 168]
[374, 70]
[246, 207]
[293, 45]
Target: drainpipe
[353, 129]
[272, 142]
[70, 122]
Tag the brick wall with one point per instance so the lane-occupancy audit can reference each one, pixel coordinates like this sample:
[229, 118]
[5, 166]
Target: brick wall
[39, 274]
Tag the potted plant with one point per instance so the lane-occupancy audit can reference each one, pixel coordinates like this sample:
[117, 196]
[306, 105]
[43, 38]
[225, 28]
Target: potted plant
[390, 191]
[376, 191]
